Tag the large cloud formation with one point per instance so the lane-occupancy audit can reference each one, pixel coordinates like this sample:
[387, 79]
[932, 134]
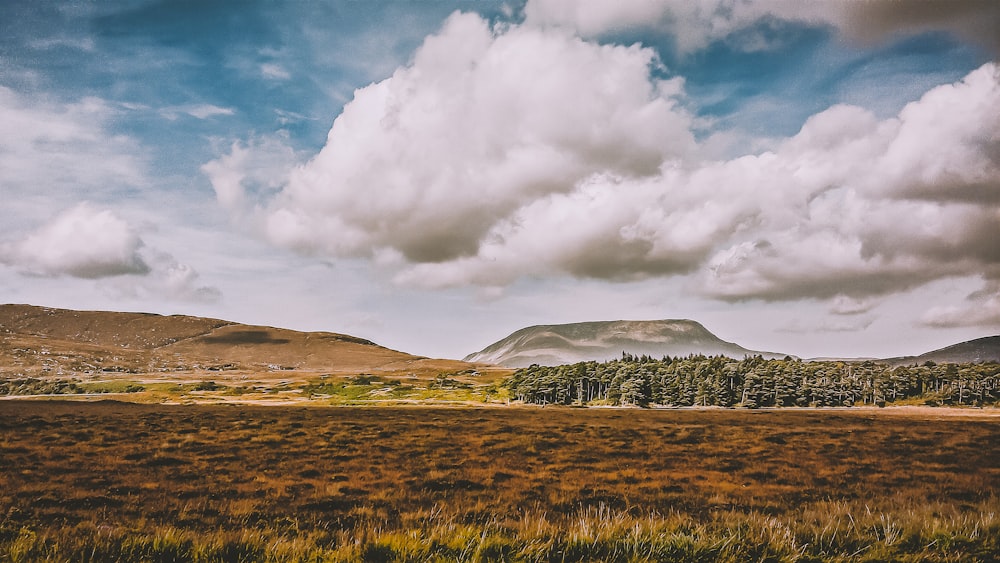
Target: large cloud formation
[501, 153]
[873, 206]
[850, 206]
[482, 124]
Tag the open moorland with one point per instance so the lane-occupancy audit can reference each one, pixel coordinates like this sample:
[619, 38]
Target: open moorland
[153, 358]
[111, 481]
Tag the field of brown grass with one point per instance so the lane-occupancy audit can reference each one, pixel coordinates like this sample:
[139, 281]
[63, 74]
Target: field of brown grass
[109, 481]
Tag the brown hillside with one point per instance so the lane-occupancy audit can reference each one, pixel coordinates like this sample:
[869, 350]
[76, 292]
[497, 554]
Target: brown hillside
[143, 331]
[47, 339]
[287, 348]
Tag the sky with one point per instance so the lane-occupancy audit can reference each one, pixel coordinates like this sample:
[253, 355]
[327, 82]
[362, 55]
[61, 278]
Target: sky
[811, 178]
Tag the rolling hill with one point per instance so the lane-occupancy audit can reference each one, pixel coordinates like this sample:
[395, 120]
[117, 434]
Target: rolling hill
[47, 341]
[40, 339]
[605, 340]
[985, 349]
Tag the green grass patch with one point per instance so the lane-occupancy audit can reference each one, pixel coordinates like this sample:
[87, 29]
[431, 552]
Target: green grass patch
[122, 386]
[367, 389]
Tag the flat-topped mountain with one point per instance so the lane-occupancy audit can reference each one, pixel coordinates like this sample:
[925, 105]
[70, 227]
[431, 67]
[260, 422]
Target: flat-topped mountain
[144, 342]
[604, 340]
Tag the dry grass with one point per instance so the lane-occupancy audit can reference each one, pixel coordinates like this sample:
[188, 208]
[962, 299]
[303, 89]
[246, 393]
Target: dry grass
[44, 342]
[121, 482]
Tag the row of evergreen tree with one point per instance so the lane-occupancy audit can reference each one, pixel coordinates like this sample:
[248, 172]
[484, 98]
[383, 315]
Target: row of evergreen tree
[754, 382]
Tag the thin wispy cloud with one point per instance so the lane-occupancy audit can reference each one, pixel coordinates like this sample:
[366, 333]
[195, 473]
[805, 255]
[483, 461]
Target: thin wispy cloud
[48, 145]
[198, 111]
[274, 71]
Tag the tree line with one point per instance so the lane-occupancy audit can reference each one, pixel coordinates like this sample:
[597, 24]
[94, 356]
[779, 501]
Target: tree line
[754, 382]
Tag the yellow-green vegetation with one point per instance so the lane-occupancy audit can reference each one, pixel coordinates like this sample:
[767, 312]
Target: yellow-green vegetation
[109, 481]
[321, 390]
[365, 389]
[824, 531]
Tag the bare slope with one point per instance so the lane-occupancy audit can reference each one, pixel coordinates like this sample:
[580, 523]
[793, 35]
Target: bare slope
[148, 342]
[973, 351]
[605, 340]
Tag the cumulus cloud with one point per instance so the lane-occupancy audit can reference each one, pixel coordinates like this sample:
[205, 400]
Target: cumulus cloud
[882, 205]
[981, 309]
[524, 151]
[167, 279]
[83, 242]
[483, 123]
[52, 153]
[90, 242]
[850, 208]
[257, 167]
[695, 24]
[607, 227]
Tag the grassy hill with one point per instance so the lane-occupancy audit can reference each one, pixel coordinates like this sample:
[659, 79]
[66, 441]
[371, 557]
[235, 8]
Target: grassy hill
[47, 341]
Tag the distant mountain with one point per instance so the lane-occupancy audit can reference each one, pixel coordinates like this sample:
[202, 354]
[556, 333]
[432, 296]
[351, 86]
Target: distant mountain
[973, 351]
[604, 340]
[143, 342]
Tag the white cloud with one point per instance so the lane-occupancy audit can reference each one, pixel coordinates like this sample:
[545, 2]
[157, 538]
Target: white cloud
[53, 155]
[849, 208]
[83, 242]
[167, 280]
[883, 206]
[49, 147]
[198, 111]
[829, 325]
[981, 309]
[691, 24]
[258, 167]
[273, 71]
[90, 242]
[843, 305]
[86, 44]
[482, 124]
[525, 152]
[286, 117]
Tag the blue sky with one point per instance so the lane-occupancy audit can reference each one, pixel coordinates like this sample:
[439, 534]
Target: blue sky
[814, 178]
